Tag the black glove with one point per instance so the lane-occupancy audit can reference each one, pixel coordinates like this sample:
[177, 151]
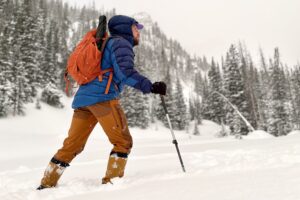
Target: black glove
[159, 88]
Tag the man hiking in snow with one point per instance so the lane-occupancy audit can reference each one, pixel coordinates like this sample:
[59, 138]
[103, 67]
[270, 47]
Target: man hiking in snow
[92, 104]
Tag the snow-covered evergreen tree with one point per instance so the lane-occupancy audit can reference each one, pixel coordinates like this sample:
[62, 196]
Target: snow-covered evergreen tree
[198, 83]
[277, 121]
[180, 113]
[290, 106]
[216, 108]
[198, 110]
[295, 91]
[41, 42]
[192, 108]
[6, 58]
[64, 51]
[49, 67]
[38, 104]
[29, 48]
[17, 73]
[51, 95]
[262, 85]
[141, 113]
[128, 104]
[248, 76]
[196, 129]
[206, 106]
[235, 92]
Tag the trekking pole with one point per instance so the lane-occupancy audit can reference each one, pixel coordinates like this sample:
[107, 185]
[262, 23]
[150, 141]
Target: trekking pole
[173, 135]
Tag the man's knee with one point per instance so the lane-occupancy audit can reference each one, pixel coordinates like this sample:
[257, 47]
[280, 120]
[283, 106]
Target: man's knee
[128, 146]
[67, 155]
[123, 146]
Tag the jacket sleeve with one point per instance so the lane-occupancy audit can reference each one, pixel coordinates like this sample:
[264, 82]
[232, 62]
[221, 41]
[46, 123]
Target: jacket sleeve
[122, 57]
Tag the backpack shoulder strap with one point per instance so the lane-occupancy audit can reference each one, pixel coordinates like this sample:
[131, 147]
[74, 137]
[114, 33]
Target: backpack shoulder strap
[106, 40]
[104, 44]
[102, 72]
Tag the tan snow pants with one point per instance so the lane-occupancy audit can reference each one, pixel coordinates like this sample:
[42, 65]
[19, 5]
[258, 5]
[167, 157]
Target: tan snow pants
[111, 117]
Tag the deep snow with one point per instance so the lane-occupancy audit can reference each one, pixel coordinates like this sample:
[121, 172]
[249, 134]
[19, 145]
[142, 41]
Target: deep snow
[261, 168]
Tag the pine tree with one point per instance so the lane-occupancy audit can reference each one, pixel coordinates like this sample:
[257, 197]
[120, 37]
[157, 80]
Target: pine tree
[206, 106]
[51, 95]
[6, 10]
[198, 87]
[84, 23]
[196, 129]
[41, 42]
[216, 111]
[234, 91]
[278, 116]
[191, 109]
[38, 104]
[295, 90]
[262, 86]
[247, 71]
[2, 5]
[29, 50]
[198, 110]
[64, 52]
[141, 113]
[6, 57]
[17, 73]
[128, 105]
[290, 106]
[136, 107]
[3, 92]
[180, 113]
[49, 67]
[189, 67]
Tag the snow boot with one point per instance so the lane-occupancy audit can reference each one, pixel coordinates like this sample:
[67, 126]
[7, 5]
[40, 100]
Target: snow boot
[52, 173]
[115, 167]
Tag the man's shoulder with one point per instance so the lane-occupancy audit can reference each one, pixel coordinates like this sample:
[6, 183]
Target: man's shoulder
[116, 42]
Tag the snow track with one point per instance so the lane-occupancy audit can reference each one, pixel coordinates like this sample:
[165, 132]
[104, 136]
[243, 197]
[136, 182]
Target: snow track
[217, 168]
[230, 165]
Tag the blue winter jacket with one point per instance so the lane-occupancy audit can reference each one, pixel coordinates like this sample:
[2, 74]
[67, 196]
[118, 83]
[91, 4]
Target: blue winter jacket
[119, 55]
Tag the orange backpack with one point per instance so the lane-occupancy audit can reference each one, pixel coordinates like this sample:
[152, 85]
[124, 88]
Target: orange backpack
[84, 64]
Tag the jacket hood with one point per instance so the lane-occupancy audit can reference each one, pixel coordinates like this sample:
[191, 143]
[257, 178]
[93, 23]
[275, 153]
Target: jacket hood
[120, 25]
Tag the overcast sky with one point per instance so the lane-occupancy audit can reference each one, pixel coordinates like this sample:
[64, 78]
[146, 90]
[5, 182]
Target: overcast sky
[208, 27]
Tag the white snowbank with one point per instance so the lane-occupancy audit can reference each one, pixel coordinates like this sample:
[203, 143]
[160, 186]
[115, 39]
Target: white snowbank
[217, 168]
[258, 134]
[209, 128]
[295, 132]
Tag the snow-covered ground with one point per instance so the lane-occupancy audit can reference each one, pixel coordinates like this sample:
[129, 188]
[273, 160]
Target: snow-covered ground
[259, 167]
